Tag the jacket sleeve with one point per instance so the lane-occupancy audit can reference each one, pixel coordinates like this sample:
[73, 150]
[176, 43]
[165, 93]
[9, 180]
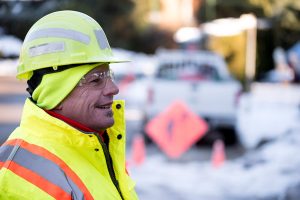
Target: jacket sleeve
[13, 187]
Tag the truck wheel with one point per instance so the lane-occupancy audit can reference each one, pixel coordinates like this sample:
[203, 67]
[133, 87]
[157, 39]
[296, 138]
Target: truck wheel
[147, 139]
[229, 135]
[209, 138]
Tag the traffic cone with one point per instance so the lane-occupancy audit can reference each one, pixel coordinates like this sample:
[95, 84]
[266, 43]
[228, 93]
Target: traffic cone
[138, 151]
[218, 154]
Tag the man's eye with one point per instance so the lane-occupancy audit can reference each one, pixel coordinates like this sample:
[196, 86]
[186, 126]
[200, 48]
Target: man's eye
[96, 80]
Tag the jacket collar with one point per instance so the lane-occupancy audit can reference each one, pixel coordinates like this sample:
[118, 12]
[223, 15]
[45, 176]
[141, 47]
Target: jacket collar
[72, 122]
[35, 118]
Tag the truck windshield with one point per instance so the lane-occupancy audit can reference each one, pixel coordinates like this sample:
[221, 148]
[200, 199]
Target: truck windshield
[188, 71]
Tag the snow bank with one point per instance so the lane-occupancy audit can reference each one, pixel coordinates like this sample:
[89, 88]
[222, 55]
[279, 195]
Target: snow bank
[10, 46]
[265, 173]
[8, 67]
[140, 63]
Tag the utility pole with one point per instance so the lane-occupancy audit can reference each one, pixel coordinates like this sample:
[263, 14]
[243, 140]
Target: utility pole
[250, 23]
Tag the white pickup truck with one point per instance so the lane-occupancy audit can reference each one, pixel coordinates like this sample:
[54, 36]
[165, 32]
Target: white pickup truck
[268, 112]
[198, 78]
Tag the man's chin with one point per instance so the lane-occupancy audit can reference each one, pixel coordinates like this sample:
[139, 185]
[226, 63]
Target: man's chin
[104, 112]
[109, 113]
[104, 126]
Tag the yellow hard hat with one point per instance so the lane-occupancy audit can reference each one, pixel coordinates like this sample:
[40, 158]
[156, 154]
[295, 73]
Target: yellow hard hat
[63, 38]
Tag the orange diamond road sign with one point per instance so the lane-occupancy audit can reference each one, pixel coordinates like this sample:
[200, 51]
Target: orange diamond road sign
[176, 129]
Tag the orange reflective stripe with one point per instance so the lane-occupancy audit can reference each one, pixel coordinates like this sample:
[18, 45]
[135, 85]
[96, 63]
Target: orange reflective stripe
[53, 190]
[50, 156]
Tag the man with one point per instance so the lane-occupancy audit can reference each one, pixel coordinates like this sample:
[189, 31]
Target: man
[71, 140]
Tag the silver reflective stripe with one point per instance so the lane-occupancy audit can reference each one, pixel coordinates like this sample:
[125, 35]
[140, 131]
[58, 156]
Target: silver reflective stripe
[46, 48]
[5, 151]
[46, 169]
[60, 33]
[101, 38]
[76, 192]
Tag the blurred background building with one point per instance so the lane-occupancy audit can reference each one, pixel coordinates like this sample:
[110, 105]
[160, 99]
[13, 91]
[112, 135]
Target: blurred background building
[146, 25]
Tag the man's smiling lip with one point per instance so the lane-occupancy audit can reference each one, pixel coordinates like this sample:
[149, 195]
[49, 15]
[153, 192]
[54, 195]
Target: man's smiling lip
[104, 106]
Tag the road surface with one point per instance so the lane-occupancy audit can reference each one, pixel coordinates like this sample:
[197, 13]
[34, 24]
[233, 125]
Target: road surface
[12, 96]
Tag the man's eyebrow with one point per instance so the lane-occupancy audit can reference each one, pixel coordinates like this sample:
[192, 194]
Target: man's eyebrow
[96, 72]
[100, 71]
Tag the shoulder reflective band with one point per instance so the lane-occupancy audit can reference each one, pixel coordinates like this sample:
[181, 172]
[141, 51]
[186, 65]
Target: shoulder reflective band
[46, 48]
[59, 33]
[53, 184]
[101, 38]
[61, 182]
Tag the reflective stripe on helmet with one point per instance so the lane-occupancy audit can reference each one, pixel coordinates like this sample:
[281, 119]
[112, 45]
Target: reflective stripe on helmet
[59, 33]
[46, 48]
[62, 179]
[101, 39]
[84, 42]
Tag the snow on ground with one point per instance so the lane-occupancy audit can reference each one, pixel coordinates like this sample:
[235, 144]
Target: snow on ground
[10, 46]
[140, 63]
[264, 173]
[8, 67]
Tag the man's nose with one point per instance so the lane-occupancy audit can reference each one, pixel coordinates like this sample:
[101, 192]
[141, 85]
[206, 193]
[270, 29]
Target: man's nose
[111, 88]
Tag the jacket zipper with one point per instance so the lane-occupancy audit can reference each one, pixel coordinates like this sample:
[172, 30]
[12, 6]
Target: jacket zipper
[109, 165]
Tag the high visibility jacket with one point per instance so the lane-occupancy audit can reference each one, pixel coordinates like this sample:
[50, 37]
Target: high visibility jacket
[45, 158]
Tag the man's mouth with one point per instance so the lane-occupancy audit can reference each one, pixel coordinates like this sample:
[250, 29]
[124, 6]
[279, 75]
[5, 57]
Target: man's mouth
[107, 108]
[104, 107]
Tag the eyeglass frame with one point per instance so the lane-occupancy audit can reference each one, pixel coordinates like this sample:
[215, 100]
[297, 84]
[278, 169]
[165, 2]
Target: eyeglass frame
[103, 76]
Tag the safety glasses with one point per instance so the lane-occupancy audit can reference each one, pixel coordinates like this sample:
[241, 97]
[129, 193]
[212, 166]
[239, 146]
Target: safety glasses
[97, 79]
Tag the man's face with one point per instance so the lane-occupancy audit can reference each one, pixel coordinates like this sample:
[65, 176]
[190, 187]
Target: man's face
[90, 103]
